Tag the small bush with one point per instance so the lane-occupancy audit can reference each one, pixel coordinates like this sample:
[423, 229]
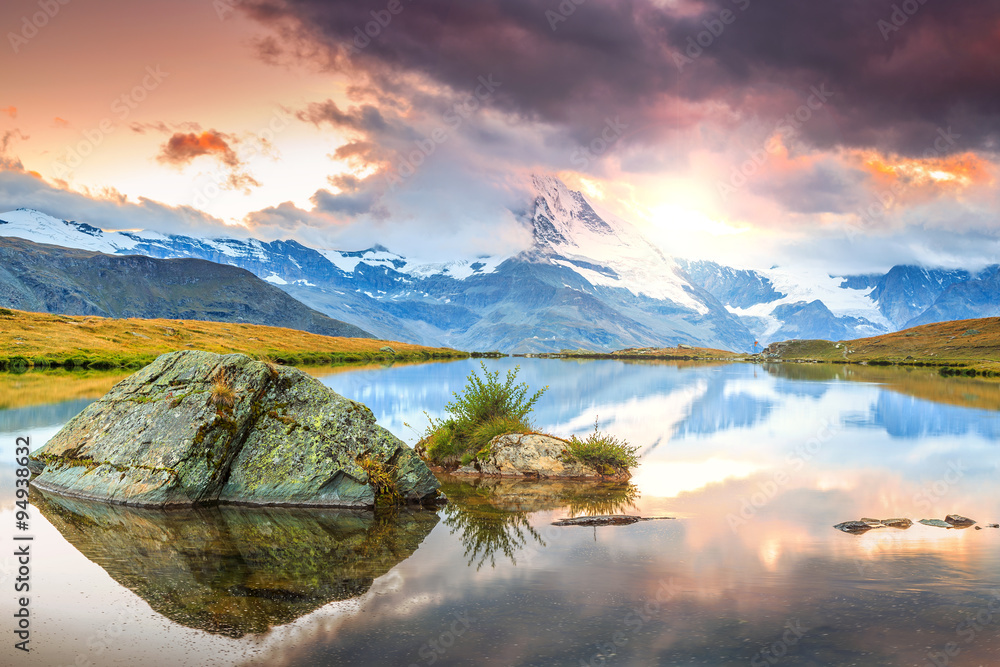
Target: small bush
[382, 480]
[604, 452]
[440, 441]
[223, 395]
[488, 398]
[485, 408]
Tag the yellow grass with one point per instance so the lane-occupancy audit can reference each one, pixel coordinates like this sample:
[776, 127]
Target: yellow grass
[41, 338]
[55, 386]
[973, 344]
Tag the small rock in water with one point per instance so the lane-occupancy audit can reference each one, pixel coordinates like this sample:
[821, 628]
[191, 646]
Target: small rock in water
[993, 525]
[937, 523]
[858, 527]
[901, 524]
[959, 521]
[608, 520]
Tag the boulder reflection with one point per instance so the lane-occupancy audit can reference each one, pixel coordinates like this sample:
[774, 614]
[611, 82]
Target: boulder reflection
[232, 570]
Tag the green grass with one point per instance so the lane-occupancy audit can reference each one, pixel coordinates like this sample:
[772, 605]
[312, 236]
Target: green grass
[604, 452]
[485, 408]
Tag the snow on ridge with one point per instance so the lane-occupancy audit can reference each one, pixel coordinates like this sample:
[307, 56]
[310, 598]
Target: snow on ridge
[275, 279]
[808, 286]
[573, 232]
[43, 228]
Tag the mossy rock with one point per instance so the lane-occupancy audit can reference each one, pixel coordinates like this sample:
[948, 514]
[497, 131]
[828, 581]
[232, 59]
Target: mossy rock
[196, 427]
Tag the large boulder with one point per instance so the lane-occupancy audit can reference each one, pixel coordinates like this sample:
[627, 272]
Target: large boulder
[195, 427]
[533, 455]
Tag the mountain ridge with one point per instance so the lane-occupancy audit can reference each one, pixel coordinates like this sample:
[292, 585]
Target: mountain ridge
[47, 278]
[587, 281]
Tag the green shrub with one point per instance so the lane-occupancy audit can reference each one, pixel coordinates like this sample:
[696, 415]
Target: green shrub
[604, 452]
[485, 408]
[488, 398]
[440, 441]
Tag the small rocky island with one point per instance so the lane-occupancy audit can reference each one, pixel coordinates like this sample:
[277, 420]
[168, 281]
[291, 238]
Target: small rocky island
[536, 455]
[201, 428]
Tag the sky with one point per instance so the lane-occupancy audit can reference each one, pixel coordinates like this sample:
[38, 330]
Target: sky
[845, 136]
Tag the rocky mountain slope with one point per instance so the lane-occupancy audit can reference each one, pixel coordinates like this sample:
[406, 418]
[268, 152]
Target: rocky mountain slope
[45, 278]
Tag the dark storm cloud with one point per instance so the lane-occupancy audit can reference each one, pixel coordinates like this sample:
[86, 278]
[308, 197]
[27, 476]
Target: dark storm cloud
[900, 69]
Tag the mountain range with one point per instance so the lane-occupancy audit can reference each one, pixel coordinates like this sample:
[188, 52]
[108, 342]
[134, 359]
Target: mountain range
[45, 278]
[588, 281]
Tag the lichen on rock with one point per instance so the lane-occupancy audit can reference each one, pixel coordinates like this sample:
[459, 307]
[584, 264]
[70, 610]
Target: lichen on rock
[171, 435]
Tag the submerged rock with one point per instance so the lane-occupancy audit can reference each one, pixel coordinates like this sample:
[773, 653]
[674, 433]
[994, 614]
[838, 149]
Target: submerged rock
[858, 527]
[534, 455]
[863, 525]
[612, 520]
[936, 523]
[195, 427]
[959, 521]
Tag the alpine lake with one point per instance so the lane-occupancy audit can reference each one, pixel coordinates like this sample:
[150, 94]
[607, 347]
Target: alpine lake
[752, 464]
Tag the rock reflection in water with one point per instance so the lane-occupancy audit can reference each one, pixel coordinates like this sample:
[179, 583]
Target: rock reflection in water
[234, 570]
[491, 514]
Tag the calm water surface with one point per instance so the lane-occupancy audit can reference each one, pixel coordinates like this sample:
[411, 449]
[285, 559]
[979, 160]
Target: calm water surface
[754, 464]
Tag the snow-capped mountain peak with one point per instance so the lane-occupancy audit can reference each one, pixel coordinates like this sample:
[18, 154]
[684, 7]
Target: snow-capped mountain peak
[606, 251]
[27, 223]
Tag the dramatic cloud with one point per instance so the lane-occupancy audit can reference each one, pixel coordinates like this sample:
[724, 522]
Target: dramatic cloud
[182, 148]
[899, 71]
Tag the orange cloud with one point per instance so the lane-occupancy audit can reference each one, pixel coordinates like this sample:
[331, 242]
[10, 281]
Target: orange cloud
[10, 111]
[928, 176]
[182, 148]
[60, 122]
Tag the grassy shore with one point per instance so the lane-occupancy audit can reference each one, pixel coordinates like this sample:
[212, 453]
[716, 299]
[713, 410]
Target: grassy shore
[42, 340]
[660, 353]
[960, 347]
